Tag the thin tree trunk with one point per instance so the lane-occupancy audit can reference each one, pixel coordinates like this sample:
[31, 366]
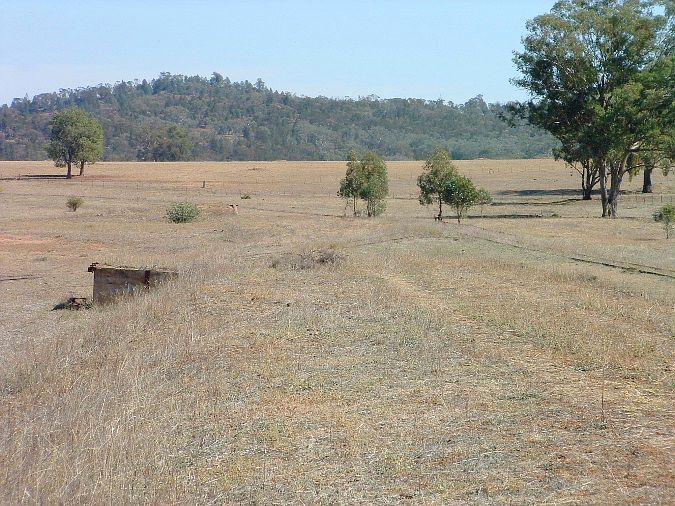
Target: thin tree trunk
[69, 174]
[587, 182]
[588, 191]
[82, 168]
[440, 209]
[603, 188]
[616, 173]
[354, 205]
[647, 182]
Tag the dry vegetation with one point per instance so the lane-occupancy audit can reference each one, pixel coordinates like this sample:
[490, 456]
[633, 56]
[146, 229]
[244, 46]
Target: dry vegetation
[524, 357]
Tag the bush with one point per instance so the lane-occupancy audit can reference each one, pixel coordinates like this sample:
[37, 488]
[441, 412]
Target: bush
[245, 196]
[666, 215]
[182, 212]
[308, 260]
[74, 203]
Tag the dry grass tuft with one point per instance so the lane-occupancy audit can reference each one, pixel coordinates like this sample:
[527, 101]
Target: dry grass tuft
[308, 259]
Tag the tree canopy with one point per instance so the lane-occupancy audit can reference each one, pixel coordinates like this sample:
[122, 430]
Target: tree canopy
[600, 73]
[76, 137]
[438, 172]
[366, 179]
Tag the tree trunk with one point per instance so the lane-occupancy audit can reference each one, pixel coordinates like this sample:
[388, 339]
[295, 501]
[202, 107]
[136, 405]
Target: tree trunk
[616, 173]
[587, 182]
[440, 209]
[603, 188]
[355, 206]
[647, 183]
[69, 174]
[612, 202]
[588, 191]
[82, 168]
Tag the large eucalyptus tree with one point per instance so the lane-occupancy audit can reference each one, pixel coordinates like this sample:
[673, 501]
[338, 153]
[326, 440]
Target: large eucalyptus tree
[601, 78]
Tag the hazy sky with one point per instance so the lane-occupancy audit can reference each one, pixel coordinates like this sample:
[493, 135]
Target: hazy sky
[453, 49]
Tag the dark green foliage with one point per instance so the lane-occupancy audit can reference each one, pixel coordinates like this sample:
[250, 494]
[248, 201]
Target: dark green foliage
[182, 212]
[223, 120]
[74, 203]
[75, 137]
[170, 144]
[666, 216]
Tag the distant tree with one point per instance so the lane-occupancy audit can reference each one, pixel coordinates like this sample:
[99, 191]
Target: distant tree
[366, 179]
[666, 216]
[484, 199]
[375, 186]
[438, 172]
[461, 194]
[350, 186]
[76, 137]
[91, 149]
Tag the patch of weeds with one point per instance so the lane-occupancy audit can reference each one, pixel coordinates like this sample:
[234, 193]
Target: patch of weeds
[245, 196]
[521, 396]
[182, 212]
[74, 203]
[308, 260]
[73, 304]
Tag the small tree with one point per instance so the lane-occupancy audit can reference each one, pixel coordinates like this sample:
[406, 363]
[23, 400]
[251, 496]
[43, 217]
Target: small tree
[74, 203]
[76, 137]
[484, 199]
[461, 194]
[366, 179]
[375, 186]
[91, 149]
[350, 186]
[438, 172]
[666, 216]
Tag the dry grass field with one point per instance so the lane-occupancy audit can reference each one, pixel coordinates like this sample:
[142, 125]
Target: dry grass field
[522, 357]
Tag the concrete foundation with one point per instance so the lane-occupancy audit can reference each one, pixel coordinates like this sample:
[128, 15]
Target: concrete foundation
[111, 282]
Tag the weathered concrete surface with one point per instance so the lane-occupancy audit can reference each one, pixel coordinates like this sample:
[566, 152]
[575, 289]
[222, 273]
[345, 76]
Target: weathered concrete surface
[112, 282]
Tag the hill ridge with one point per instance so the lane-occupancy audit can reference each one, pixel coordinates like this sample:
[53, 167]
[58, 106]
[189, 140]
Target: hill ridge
[225, 120]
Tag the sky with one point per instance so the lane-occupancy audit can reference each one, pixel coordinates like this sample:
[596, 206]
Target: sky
[452, 49]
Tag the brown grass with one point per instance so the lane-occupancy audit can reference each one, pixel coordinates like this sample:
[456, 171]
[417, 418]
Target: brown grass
[432, 363]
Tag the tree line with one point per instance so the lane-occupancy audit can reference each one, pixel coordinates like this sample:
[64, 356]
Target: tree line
[176, 117]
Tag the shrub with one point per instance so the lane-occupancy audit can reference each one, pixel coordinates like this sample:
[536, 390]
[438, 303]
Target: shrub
[666, 215]
[308, 260]
[245, 196]
[74, 203]
[461, 194]
[484, 198]
[182, 212]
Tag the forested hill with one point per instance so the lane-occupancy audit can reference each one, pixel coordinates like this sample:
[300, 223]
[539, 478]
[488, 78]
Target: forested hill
[215, 119]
